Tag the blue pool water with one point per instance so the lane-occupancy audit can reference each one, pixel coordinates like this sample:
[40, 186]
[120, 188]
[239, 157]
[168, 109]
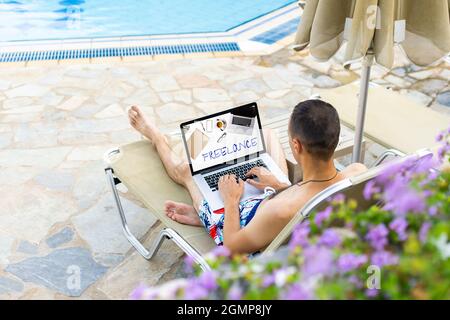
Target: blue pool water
[65, 19]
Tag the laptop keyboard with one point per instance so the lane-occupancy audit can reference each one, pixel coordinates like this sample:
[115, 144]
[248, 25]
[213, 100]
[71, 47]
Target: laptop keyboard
[238, 171]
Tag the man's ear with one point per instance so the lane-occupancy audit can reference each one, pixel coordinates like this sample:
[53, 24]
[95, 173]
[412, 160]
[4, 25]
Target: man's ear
[298, 147]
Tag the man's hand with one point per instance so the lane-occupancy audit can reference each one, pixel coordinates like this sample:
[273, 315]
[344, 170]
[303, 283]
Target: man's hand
[230, 190]
[265, 179]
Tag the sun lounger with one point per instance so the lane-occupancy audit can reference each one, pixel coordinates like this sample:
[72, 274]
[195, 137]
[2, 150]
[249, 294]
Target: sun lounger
[392, 119]
[138, 167]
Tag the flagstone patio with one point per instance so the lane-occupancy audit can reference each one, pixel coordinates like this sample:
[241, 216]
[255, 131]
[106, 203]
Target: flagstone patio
[58, 222]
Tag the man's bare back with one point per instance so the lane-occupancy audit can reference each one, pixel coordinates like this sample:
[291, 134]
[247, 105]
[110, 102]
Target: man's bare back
[274, 213]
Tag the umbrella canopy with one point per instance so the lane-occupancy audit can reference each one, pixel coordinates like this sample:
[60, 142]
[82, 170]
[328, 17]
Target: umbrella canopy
[422, 28]
[370, 29]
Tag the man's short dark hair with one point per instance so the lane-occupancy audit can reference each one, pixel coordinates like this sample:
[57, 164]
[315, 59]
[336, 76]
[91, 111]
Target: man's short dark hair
[316, 124]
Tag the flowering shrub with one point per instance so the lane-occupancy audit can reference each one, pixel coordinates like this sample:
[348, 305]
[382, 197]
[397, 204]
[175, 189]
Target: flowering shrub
[397, 249]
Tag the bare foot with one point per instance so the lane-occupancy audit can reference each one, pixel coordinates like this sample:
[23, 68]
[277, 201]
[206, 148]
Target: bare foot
[182, 213]
[140, 122]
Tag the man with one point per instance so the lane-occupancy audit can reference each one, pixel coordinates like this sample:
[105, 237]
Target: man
[249, 227]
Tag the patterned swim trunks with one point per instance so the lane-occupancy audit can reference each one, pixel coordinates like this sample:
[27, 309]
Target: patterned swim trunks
[213, 222]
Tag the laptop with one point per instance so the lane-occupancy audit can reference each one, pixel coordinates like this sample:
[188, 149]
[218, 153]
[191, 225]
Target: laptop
[227, 142]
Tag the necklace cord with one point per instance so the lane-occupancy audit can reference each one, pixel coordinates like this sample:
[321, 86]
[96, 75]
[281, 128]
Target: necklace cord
[316, 180]
[303, 183]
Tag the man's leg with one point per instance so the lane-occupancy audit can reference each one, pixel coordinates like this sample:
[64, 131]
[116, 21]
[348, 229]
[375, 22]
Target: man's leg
[275, 149]
[177, 169]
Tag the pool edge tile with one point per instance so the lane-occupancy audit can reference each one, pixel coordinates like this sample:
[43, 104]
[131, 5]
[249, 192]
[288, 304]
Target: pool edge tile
[176, 56]
[138, 58]
[13, 64]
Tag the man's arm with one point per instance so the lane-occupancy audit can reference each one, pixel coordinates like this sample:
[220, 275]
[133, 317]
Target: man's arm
[232, 223]
[234, 238]
[267, 223]
[270, 219]
[231, 192]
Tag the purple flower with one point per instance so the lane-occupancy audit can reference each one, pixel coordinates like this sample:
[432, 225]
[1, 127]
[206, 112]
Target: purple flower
[442, 151]
[399, 225]
[423, 232]
[198, 288]
[431, 176]
[425, 164]
[235, 292]
[138, 293]
[433, 210]
[221, 251]
[383, 258]
[396, 180]
[330, 238]
[393, 170]
[208, 280]
[318, 260]
[189, 264]
[194, 291]
[146, 293]
[349, 261]
[354, 280]
[427, 193]
[447, 147]
[371, 293]
[268, 280]
[339, 198]
[378, 236]
[440, 137]
[370, 189]
[300, 236]
[409, 201]
[400, 198]
[322, 216]
[297, 292]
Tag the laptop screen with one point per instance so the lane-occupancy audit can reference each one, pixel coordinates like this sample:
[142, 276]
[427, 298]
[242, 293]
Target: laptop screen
[223, 137]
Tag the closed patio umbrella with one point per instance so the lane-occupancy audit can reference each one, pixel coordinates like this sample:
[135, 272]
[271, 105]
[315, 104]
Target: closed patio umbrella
[370, 29]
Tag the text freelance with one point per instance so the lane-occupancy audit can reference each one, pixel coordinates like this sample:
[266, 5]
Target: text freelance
[236, 147]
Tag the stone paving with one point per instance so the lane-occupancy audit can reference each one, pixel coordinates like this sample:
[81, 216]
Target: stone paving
[60, 235]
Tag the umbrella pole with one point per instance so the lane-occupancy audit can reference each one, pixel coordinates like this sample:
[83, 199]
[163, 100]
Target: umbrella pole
[362, 105]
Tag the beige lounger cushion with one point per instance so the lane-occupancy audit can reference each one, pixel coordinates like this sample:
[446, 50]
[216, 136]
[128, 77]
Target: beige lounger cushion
[392, 119]
[138, 167]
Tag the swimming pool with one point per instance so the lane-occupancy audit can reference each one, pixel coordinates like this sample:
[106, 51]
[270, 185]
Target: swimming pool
[67, 19]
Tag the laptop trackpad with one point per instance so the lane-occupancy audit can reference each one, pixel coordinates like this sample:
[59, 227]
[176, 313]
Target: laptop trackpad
[249, 191]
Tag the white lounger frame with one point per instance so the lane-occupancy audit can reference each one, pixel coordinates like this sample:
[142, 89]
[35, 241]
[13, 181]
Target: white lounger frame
[165, 233]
